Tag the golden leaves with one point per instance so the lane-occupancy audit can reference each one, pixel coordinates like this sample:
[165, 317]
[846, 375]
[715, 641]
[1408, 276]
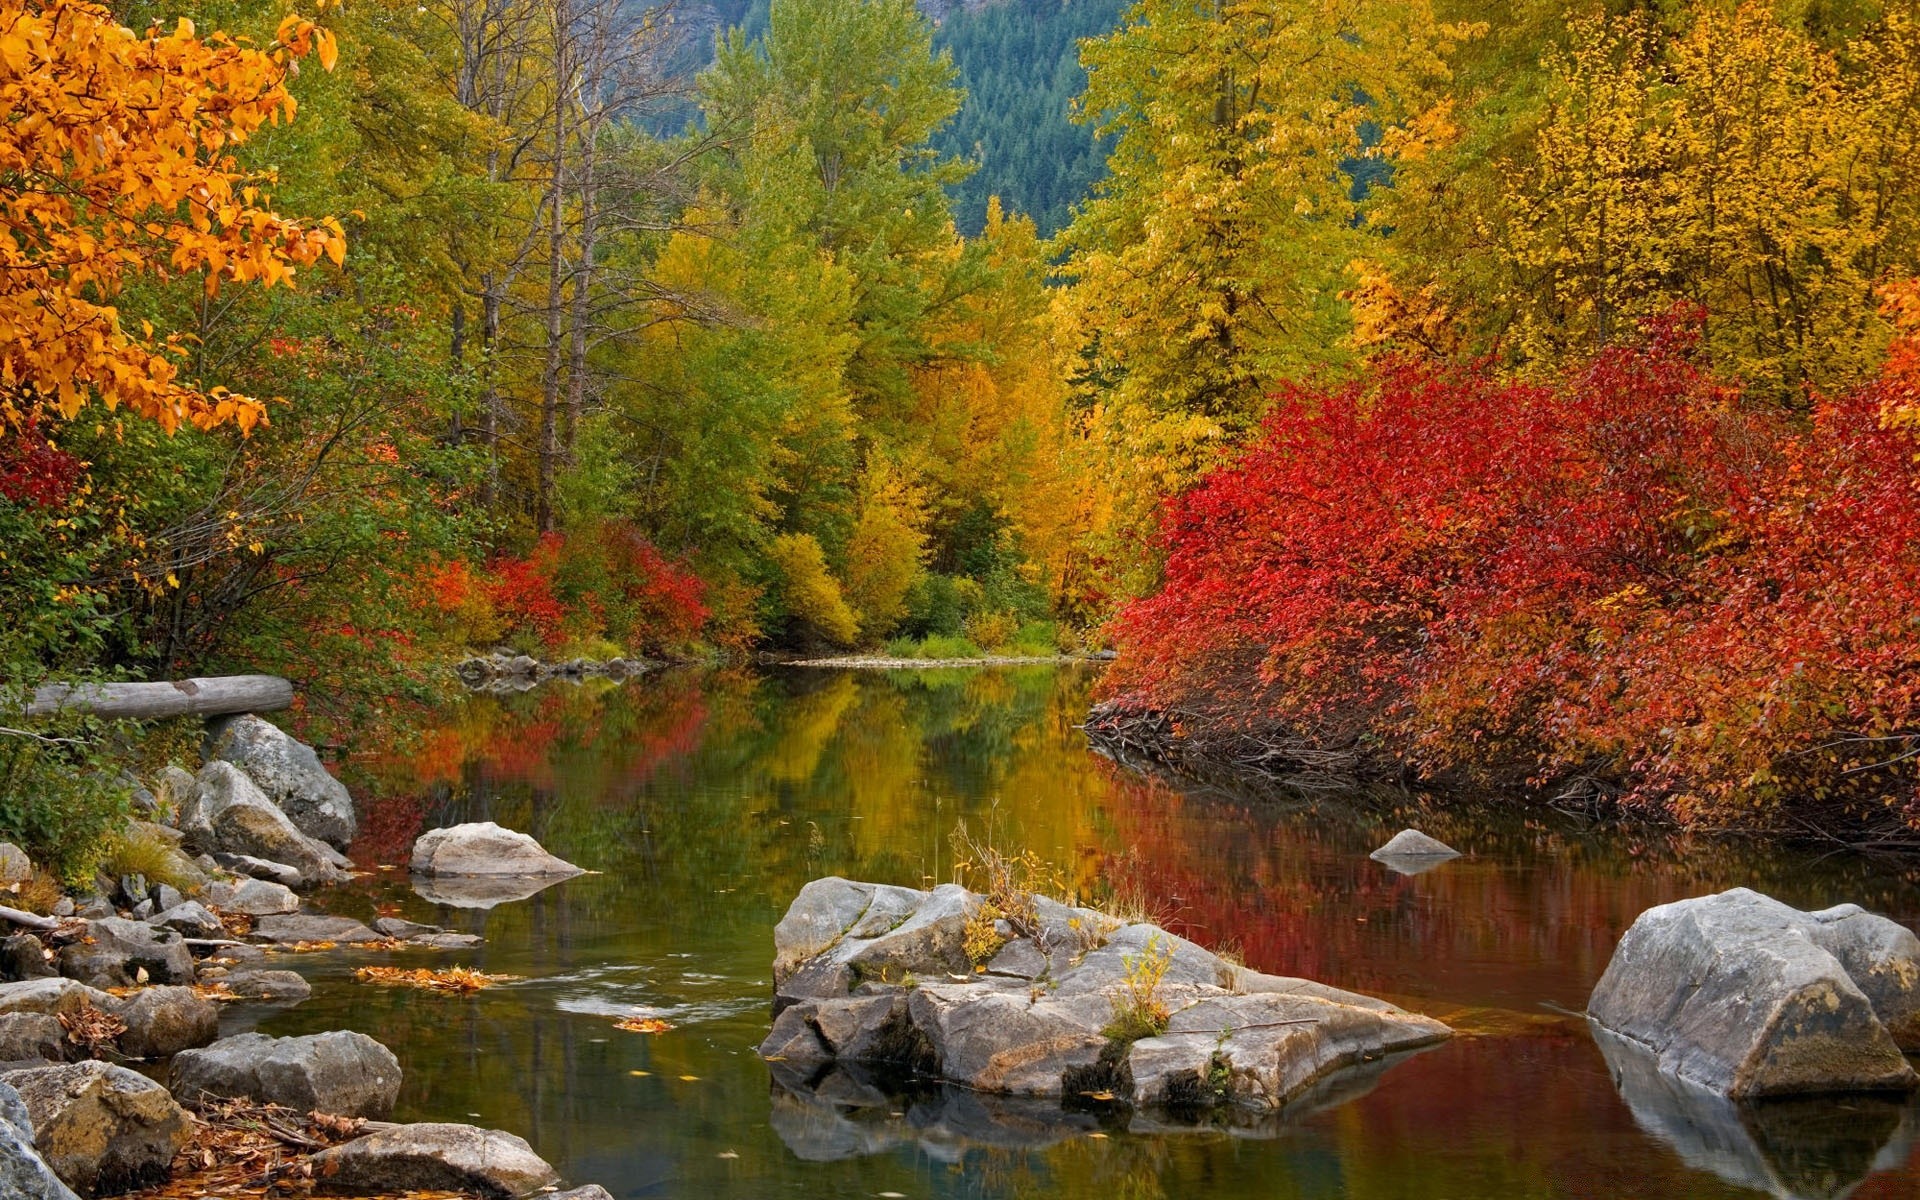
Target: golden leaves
[643, 1025]
[454, 979]
[115, 164]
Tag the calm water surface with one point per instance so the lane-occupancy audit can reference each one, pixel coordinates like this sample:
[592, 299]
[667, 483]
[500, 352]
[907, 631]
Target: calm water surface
[705, 802]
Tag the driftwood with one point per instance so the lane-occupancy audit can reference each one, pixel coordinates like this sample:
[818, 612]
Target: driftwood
[220, 695]
[27, 919]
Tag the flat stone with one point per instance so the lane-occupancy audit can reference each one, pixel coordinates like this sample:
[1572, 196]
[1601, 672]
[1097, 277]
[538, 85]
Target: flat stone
[396, 927]
[433, 1157]
[54, 997]
[344, 1073]
[446, 941]
[102, 1128]
[312, 927]
[1742, 995]
[260, 868]
[272, 987]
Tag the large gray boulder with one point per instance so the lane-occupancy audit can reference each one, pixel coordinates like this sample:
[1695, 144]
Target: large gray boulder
[344, 1073]
[229, 814]
[289, 773]
[270, 987]
[24, 1175]
[877, 975]
[433, 1157]
[115, 951]
[483, 848]
[1748, 997]
[102, 1128]
[162, 1021]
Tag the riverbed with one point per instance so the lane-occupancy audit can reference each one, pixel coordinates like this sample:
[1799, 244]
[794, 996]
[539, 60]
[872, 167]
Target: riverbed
[704, 802]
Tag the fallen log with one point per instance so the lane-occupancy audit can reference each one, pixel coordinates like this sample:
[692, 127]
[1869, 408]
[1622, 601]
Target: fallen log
[218, 696]
[30, 920]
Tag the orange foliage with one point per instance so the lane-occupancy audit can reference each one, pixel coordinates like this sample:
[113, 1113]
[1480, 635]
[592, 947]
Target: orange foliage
[115, 161]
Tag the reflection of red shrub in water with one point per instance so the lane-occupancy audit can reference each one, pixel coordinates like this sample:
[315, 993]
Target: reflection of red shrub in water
[389, 824]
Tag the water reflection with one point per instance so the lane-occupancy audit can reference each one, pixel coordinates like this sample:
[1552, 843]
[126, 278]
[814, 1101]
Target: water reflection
[706, 801]
[1808, 1149]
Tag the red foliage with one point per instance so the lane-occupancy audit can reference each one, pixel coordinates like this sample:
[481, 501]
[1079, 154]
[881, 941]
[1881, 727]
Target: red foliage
[1627, 574]
[521, 590]
[34, 472]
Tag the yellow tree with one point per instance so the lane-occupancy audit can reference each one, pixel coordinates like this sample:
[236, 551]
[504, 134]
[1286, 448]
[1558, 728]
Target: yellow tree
[116, 161]
[1741, 167]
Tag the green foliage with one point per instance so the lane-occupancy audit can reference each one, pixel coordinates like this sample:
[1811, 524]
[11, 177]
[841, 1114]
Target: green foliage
[59, 801]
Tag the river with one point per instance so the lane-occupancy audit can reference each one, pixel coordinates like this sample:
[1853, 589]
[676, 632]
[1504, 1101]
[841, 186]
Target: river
[704, 802]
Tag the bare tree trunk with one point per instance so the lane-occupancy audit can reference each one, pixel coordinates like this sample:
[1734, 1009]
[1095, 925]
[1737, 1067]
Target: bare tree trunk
[582, 293]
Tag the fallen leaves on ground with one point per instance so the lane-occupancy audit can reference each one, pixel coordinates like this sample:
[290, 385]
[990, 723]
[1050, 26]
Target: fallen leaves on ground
[259, 1152]
[91, 1029]
[454, 979]
[643, 1025]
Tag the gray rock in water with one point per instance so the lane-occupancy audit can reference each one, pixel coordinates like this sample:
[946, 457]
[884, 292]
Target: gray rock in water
[312, 927]
[162, 1021]
[24, 1175]
[271, 987]
[880, 975]
[344, 1073]
[254, 897]
[289, 773]
[1747, 997]
[189, 919]
[25, 1035]
[592, 1191]
[260, 868]
[116, 950]
[102, 1128]
[446, 941]
[1411, 852]
[1808, 1149]
[483, 849]
[398, 927]
[23, 956]
[434, 1157]
[15, 866]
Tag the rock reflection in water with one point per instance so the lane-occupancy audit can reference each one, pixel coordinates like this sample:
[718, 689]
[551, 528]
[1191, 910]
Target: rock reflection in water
[481, 891]
[847, 1111]
[1818, 1148]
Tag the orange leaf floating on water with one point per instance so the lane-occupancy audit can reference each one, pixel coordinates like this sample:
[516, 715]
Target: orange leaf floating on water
[643, 1025]
[455, 979]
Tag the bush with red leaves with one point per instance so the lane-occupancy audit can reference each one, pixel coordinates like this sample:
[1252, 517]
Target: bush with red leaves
[1630, 577]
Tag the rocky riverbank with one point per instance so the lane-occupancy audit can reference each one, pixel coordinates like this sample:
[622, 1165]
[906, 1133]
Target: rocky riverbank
[139, 970]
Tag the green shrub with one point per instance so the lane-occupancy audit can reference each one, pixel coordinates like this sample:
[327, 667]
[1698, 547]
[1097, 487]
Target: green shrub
[60, 804]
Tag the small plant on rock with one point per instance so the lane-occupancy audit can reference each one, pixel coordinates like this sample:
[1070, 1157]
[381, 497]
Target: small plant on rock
[982, 938]
[1010, 882]
[1138, 1011]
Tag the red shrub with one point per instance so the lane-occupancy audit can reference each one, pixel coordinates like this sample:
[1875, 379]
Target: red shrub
[33, 472]
[1627, 574]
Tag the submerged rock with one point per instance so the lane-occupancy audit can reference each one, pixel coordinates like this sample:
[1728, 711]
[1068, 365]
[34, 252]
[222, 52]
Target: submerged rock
[876, 975]
[344, 1073]
[24, 1175]
[102, 1128]
[1411, 852]
[1747, 997]
[290, 775]
[433, 1157]
[483, 849]
[293, 928]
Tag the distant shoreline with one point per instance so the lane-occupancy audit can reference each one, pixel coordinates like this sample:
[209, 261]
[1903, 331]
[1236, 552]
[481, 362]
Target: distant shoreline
[866, 662]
